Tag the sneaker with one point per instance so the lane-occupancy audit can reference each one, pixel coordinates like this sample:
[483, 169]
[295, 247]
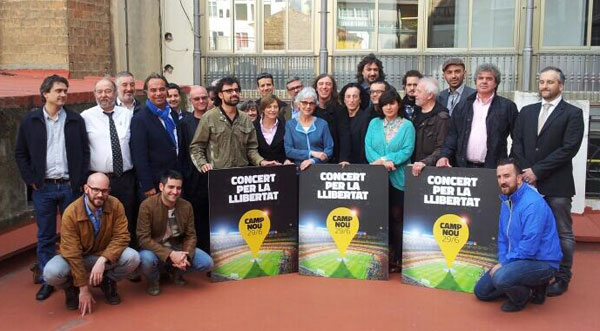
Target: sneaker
[511, 307]
[153, 288]
[72, 297]
[178, 279]
[109, 288]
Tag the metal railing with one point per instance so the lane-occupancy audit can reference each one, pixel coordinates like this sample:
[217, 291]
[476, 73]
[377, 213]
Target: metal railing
[582, 73]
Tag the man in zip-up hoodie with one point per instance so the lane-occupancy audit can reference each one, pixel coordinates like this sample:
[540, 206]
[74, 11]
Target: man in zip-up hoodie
[529, 250]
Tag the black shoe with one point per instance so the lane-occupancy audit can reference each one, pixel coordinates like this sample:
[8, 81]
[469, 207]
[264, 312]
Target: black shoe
[44, 292]
[72, 297]
[134, 277]
[538, 294]
[109, 288]
[510, 307]
[557, 288]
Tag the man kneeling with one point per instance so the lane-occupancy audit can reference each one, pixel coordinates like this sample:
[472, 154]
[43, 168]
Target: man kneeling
[93, 238]
[166, 235]
[528, 246]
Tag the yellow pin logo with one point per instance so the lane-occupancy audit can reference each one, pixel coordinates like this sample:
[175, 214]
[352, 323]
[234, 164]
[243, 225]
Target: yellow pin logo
[342, 224]
[254, 227]
[451, 233]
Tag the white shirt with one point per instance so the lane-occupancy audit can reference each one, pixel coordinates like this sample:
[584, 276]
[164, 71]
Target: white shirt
[121, 104]
[553, 105]
[98, 130]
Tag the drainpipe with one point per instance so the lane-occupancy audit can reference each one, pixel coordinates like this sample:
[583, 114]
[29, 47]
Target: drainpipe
[323, 51]
[197, 54]
[528, 49]
[126, 37]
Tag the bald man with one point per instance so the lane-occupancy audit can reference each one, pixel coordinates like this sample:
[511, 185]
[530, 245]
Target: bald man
[195, 184]
[93, 247]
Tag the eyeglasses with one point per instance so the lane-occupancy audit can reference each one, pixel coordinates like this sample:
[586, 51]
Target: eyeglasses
[199, 98]
[96, 190]
[231, 90]
[294, 88]
[307, 103]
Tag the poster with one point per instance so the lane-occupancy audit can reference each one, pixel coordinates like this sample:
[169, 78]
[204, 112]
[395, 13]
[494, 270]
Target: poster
[253, 222]
[450, 227]
[343, 221]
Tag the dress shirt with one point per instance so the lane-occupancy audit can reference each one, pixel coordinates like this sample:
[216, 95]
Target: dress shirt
[97, 125]
[121, 104]
[553, 105]
[477, 146]
[56, 150]
[268, 133]
[454, 97]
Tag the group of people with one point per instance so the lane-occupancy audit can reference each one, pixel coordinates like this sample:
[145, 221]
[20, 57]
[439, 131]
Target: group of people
[156, 155]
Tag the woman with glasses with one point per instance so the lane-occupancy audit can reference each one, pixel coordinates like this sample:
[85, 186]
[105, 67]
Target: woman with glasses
[270, 130]
[307, 139]
[353, 97]
[330, 110]
[390, 142]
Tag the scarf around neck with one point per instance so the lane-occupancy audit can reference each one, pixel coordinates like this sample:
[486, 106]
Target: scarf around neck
[164, 115]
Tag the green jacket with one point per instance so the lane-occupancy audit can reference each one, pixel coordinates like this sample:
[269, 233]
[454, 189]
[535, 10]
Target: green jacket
[222, 144]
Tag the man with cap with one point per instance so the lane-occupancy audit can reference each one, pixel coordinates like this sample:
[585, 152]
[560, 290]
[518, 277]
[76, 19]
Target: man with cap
[453, 71]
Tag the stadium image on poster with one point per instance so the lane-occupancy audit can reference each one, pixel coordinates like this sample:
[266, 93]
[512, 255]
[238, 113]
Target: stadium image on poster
[450, 227]
[343, 222]
[253, 222]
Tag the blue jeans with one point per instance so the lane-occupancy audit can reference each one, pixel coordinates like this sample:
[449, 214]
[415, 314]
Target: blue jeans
[150, 264]
[561, 208]
[45, 201]
[515, 280]
[58, 272]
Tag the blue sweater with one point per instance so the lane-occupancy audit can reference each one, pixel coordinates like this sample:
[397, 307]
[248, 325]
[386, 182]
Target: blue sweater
[398, 150]
[299, 143]
[527, 229]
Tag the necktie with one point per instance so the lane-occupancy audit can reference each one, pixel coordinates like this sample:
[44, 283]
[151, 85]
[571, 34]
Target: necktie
[454, 96]
[115, 146]
[543, 116]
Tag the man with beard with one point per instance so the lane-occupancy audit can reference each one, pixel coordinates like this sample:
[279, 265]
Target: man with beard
[431, 125]
[225, 137]
[108, 133]
[93, 240]
[126, 92]
[528, 247]
[453, 71]
[410, 81]
[195, 184]
[369, 70]
[154, 142]
[545, 151]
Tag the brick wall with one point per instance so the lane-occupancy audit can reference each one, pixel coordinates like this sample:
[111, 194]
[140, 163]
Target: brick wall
[56, 34]
[33, 34]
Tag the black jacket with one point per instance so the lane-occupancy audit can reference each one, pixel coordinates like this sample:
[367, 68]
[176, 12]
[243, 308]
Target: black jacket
[152, 151]
[358, 130]
[30, 150]
[550, 153]
[500, 122]
[275, 151]
[431, 129]
[339, 127]
[195, 183]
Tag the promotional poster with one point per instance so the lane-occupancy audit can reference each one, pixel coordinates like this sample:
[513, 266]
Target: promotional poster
[253, 222]
[450, 227]
[343, 221]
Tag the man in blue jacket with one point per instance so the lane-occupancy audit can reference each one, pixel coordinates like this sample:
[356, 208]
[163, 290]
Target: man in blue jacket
[529, 250]
[53, 157]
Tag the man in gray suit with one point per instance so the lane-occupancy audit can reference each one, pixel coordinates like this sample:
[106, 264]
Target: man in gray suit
[457, 92]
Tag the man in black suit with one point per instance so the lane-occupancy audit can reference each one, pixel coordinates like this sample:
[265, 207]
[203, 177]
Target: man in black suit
[545, 152]
[453, 71]
[479, 128]
[154, 141]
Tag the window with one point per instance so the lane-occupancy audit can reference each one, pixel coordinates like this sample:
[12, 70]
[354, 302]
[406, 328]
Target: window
[235, 33]
[212, 9]
[566, 23]
[492, 23]
[376, 25]
[287, 25]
